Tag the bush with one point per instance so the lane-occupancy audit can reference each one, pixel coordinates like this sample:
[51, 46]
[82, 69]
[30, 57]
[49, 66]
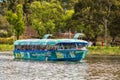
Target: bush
[6, 40]
[6, 47]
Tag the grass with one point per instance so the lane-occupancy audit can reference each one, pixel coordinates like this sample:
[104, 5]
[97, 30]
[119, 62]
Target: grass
[97, 50]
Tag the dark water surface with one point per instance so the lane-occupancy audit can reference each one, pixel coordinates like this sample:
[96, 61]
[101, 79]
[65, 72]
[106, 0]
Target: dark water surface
[93, 68]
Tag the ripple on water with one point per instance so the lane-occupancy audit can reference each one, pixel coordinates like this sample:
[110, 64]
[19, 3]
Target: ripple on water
[34, 70]
[104, 70]
[11, 69]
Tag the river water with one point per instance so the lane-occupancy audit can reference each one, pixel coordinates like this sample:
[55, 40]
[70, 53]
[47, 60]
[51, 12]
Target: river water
[92, 68]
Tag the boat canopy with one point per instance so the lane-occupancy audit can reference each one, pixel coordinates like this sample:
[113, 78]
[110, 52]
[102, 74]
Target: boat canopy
[48, 41]
[77, 35]
[46, 36]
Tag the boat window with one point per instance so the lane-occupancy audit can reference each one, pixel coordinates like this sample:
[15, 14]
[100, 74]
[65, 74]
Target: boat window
[59, 46]
[66, 46]
[51, 47]
[73, 46]
[43, 47]
[23, 47]
[35, 47]
[17, 47]
[27, 47]
[38, 47]
[48, 47]
[81, 45]
[69, 46]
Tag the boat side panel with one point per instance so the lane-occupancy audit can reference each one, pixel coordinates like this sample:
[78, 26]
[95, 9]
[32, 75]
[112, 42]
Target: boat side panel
[68, 55]
[33, 55]
[65, 55]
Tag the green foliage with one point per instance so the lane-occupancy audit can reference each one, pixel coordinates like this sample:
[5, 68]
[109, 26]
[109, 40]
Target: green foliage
[68, 4]
[86, 12]
[52, 16]
[113, 27]
[38, 26]
[6, 47]
[12, 4]
[47, 15]
[11, 17]
[8, 40]
[92, 14]
[16, 20]
[5, 29]
[65, 20]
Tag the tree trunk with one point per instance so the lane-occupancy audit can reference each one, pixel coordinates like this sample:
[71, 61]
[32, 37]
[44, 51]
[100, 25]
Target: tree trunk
[95, 40]
[17, 36]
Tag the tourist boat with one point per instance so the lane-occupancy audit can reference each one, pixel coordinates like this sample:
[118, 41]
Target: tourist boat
[50, 49]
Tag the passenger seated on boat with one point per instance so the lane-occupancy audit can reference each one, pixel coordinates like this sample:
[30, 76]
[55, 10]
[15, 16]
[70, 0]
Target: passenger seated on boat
[32, 47]
[65, 47]
[51, 48]
[72, 48]
[60, 47]
[27, 47]
[22, 47]
[55, 47]
[41, 47]
[35, 47]
[44, 48]
[48, 47]
[17, 47]
[38, 47]
[69, 46]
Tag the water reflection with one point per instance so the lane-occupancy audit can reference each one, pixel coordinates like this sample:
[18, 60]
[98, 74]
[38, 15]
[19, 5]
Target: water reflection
[88, 69]
[103, 67]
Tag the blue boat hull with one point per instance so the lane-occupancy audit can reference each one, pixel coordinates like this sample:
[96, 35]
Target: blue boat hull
[54, 55]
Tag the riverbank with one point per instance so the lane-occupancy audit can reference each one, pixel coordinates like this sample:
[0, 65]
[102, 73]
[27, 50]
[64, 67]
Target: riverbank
[97, 50]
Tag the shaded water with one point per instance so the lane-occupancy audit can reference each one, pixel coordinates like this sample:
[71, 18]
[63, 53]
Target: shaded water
[89, 69]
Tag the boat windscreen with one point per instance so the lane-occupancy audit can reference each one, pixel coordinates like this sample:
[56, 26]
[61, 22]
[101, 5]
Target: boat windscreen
[66, 46]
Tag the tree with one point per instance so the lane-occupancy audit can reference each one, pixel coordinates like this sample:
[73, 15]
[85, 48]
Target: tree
[5, 29]
[114, 24]
[16, 20]
[68, 4]
[38, 26]
[94, 14]
[67, 20]
[87, 13]
[47, 14]
[3, 7]
[12, 4]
